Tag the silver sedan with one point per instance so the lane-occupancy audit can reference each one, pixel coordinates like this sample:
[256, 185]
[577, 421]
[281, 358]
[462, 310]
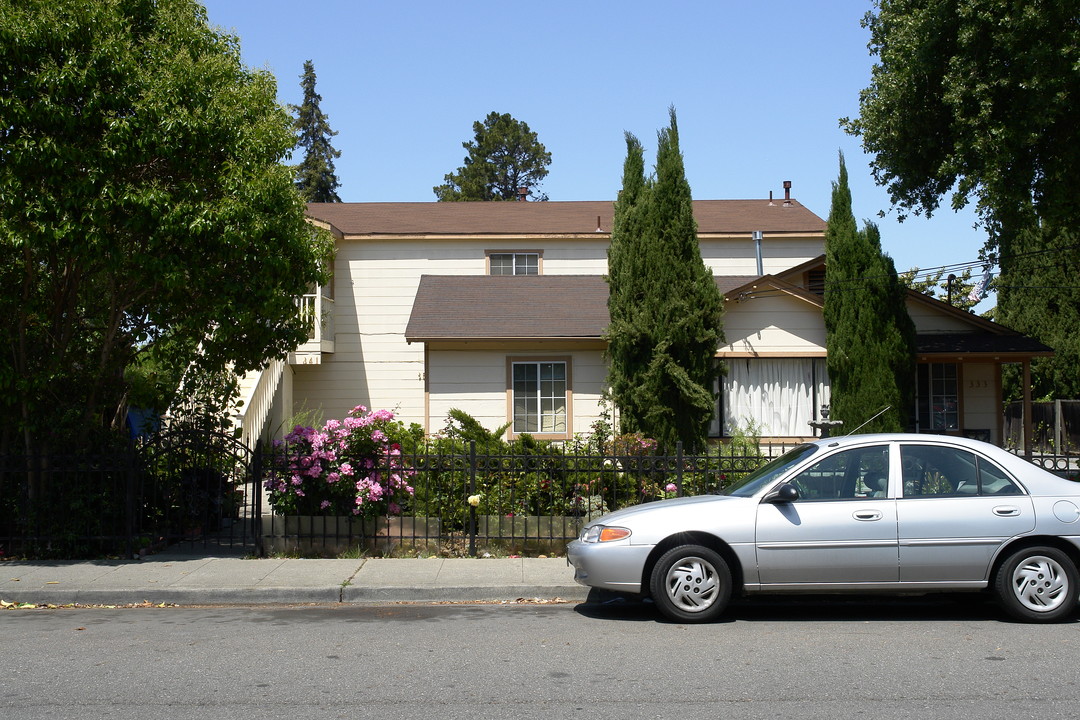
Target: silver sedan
[863, 514]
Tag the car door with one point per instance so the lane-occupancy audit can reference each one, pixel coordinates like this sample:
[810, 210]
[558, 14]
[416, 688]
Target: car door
[841, 530]
[956, 511]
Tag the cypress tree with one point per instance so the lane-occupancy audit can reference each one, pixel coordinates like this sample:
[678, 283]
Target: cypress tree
[665, 307]
[870, 338]
[627, 348]
[315, 177]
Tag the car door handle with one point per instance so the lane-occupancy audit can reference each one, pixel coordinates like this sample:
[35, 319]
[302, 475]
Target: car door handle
[866, 514]
[1006, 511]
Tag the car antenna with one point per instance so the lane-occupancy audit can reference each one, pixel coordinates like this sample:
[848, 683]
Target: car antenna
[879, 414]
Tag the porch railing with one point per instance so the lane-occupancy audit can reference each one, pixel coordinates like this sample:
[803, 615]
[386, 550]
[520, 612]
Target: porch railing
[318, 310]
[259, 402]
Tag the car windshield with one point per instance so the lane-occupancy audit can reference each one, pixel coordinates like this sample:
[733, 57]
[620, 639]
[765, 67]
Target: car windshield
[769, 472]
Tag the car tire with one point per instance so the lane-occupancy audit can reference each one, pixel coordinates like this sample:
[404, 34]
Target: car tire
[691, 583]
[1038, 584]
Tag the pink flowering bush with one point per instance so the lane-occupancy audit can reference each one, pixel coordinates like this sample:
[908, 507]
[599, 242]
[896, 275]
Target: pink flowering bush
[348, 467]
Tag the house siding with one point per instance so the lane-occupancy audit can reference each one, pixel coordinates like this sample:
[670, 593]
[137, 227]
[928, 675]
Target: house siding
[375, 284]
[775, 325]
[981, 403]
[378, 270]
[475, 381]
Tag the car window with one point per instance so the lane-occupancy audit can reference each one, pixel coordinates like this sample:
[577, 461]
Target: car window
[994, 481]
[766, 474]
[846, 475]
[935, 471]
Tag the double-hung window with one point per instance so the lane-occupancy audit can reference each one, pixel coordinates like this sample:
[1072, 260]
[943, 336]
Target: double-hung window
[938, 397]
[539, 399]
[518, 263]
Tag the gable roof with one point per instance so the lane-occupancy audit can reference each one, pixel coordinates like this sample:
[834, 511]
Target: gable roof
[549, 218]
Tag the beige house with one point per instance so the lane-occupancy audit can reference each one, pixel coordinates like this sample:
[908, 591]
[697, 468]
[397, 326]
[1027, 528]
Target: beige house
[499, 309]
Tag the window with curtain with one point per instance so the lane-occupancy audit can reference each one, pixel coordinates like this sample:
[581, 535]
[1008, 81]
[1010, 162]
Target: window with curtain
[778, 396]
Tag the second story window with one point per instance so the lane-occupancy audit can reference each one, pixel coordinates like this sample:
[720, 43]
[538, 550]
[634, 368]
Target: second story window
[527, 263]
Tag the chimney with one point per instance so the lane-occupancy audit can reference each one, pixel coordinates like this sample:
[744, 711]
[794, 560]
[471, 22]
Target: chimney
[787, 193]
[523, 194]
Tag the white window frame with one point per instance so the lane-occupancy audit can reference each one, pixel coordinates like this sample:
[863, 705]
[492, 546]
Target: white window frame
[552, 418]
[521, 261]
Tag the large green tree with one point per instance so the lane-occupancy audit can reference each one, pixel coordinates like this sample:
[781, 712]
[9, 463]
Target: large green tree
[977, 99]
[315, 176]
[666, 311]
[504, 156]
[143, 194]
[869, 336]
[1039, 293]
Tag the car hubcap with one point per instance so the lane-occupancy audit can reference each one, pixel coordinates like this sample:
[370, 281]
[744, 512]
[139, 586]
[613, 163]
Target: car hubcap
[1040, 583]
[691, 584]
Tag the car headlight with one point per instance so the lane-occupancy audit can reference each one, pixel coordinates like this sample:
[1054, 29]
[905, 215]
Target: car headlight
[604, 533]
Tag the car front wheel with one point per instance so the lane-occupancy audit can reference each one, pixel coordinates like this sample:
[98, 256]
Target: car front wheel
[691, 583]
[1038, 584]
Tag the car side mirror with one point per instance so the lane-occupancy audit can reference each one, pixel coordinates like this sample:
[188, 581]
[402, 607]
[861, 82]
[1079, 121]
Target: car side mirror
[784, 494]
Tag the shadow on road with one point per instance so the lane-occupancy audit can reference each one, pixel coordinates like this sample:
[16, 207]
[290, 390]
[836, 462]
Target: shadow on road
[802, 608]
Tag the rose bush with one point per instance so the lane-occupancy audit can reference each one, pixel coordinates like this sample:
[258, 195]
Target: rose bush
[348, 467]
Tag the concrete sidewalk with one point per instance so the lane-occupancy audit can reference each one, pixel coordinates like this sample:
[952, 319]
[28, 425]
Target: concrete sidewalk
[187, 580]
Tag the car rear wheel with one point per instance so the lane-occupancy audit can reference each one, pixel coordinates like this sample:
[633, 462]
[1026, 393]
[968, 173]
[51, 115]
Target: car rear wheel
[691, 583]
[1038, 584]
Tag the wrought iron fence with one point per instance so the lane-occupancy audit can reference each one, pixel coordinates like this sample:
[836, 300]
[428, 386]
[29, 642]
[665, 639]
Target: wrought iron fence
[207, 494]
[469, 503]
[182, 489]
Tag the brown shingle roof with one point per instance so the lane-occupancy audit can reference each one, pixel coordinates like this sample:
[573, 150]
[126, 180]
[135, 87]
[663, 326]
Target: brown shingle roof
[490, 307]
[508, 306]
[548, 218]
[460, 307]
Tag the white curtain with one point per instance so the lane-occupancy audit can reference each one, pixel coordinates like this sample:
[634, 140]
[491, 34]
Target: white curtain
[778, 396]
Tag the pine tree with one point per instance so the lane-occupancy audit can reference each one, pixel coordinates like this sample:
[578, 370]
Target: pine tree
[664, 304]
[870, 338]
[504, 157]
[315, 177]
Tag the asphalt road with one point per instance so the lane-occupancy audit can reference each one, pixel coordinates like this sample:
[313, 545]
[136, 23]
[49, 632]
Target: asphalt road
[939, 658]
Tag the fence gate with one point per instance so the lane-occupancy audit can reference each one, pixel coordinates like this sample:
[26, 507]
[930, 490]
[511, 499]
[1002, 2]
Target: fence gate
[199, 492]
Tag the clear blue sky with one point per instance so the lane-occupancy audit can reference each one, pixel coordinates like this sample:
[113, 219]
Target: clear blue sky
[758, 87]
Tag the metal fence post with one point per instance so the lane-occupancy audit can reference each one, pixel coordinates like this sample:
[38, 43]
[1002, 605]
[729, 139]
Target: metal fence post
[678, 467]
[472, 491]
[255, 509]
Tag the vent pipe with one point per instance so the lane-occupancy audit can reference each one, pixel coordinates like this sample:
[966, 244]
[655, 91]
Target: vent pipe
[758, 235]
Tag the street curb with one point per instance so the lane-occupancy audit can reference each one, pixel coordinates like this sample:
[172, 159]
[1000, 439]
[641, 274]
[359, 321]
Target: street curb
[355, 594]
[295, 596]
